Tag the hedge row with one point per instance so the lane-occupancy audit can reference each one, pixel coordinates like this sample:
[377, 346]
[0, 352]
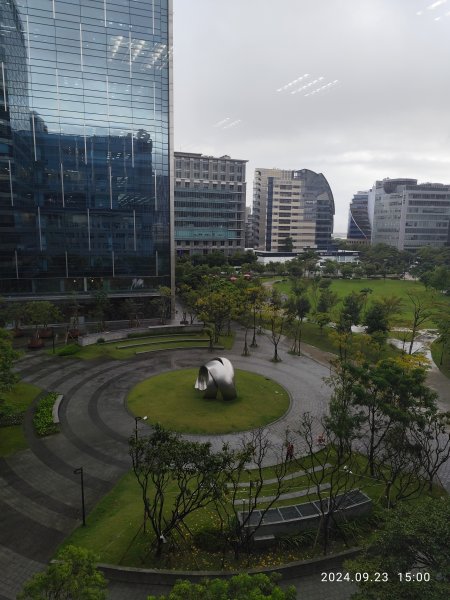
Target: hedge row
[43, 416]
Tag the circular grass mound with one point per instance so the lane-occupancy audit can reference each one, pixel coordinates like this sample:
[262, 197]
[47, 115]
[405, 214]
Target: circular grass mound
[171, 400]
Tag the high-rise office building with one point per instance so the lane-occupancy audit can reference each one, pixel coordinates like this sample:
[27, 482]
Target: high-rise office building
[409, 215]
[291, 204]
[85, 154]
[359, 230]
[209, 204]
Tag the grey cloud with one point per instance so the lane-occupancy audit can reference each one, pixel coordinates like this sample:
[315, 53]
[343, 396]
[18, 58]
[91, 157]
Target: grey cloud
[388, 116]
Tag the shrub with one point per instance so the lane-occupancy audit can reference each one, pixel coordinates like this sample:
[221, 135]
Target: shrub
[101, 341]
[69, 350]
[43, 416]
[209, 540]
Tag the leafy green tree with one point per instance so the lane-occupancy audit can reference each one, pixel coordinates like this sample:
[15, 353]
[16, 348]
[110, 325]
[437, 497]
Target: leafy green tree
[438, 278]
[298, 307]
[330, 267]
[350, 313]
[327, 300]
[415, 538]
[421, 313]
[216, 303]
[322, 320]
[73, 576]
[276, 315]
[40, 314]
[239, 587]
[375, 319]
[347, 270]
[256, 296]
[165, 303]
[287, 245]
[176, 477]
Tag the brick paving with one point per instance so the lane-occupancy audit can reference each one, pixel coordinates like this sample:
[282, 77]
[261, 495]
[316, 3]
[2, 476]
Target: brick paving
[40, 495]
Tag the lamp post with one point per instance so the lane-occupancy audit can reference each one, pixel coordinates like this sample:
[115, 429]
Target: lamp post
[136, 419]
[79, 472]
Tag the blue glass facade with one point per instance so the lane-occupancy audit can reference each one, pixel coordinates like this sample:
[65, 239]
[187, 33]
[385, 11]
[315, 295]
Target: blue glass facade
[85, 146]
[358, 218]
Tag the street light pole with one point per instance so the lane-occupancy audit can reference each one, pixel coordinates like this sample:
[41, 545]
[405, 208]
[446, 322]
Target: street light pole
[136, 419]
[79, 472]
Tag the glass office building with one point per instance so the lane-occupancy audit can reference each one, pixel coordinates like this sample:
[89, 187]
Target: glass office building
[85, 147]
[359, 229]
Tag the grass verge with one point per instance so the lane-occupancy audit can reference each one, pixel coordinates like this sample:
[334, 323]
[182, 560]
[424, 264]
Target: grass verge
[171, 400]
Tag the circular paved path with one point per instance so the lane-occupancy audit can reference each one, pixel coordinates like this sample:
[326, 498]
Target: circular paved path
[40, 496]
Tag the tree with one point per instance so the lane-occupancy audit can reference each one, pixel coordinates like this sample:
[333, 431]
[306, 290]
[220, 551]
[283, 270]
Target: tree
[40, 313]
[431, 434]
[287, 245]
[101, 307]
[330, 474]
[347, 270]
[176, 477]
[415, 538]
[330, 267]
[351, 312]
[327, 300]
[216, 302]
[443, 325]
[388, 393]
[73, 576]
[165, 303]
[7, 357]
[298, 306]
[239, 587]
[421, 313]
[256, 295]
[241, 517]
[375, 319]
[276, 316]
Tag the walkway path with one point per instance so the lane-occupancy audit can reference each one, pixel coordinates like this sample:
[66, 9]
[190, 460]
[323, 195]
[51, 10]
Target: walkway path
[40, 495]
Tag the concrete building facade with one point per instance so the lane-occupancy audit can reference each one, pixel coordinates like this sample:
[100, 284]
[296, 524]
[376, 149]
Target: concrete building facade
[409, 215]
[291, 204]
[209, 204]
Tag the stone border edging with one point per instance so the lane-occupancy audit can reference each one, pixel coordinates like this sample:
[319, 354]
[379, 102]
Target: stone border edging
[165, 577]
[55, 409]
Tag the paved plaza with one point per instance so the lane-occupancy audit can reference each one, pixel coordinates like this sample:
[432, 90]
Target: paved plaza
[40, 495]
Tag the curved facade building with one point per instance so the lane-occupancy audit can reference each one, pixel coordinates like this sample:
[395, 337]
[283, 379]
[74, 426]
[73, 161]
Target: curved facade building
[358, 218]
[292, 204]
[85, 148]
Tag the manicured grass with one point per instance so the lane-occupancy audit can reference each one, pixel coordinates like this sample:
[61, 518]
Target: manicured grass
[170, 399]
[12, 439]
[384, 288]
[17, 401]
[436, 352]
[128, 347]
[21, 396]
[114, 531]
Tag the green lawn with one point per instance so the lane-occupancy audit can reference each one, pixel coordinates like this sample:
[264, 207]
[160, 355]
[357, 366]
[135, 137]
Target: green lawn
[128, 348]
[16, 401]
[12, 439]
[436, 352]
[21, 396]
[114, 531]
[386, 288]
[170, 399]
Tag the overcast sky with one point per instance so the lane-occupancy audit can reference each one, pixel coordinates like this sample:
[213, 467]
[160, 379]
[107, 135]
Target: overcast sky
[385, 110]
